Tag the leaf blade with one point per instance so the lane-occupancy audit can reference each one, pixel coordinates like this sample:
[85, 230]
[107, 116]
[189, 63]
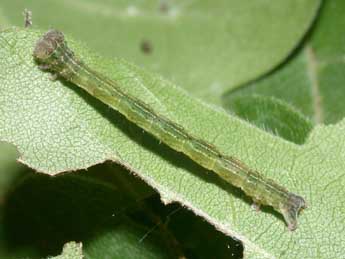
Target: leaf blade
[44, 134]
[206, 48]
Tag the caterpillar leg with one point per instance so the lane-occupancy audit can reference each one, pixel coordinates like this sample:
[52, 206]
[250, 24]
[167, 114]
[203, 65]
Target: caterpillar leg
[256, 206]
[45, 67]
[291, 209]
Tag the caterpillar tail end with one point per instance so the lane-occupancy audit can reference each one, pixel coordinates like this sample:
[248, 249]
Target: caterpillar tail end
[291, 209]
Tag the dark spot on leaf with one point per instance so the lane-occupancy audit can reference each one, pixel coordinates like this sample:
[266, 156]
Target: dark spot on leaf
[146, 46]
[163, 7]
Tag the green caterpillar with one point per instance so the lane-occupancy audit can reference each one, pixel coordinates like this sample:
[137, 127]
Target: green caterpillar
[53, 54]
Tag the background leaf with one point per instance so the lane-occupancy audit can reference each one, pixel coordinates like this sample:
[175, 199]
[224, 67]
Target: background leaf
[80, 207]
[272, 115]
[111, 218]
[71, 250]
[313, 79]
[204, 47]
[8, 167]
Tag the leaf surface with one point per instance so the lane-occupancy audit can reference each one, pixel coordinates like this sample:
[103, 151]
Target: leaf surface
[313, 79]
[71, 250]
[57, 128]
[206, 48]
[43, 212]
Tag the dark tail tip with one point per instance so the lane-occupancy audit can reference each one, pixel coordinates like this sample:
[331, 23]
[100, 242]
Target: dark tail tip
[291, 209]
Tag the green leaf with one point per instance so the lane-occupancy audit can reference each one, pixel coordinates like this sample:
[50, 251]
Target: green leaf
[80, 207]
[10, 169]
[57, 127]
[71, 250]
[313, 79]
[206, 48]
[75, 207]
[3, 20]
[7, 156]
[124, 242]
[272, 115]
[71, 207]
